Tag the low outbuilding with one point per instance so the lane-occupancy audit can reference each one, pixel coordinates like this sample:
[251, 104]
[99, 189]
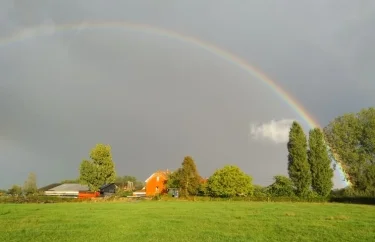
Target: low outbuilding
[108, 189]
[67, 190]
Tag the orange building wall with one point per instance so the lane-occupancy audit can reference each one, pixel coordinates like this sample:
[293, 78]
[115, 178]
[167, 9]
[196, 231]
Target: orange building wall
[152, 183]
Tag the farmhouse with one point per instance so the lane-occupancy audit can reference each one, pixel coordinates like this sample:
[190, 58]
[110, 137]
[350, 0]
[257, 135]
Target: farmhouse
[156, 183]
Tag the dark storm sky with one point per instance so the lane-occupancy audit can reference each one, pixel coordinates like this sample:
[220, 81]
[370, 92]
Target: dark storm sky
[155, 99]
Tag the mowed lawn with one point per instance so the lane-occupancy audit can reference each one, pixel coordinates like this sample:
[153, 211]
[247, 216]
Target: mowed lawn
[186, 221]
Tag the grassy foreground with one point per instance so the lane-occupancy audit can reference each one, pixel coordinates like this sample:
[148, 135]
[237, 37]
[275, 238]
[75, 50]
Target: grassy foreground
[186, 221]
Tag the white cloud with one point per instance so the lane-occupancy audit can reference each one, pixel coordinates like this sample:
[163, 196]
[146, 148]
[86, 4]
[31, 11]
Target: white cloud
[275, 130]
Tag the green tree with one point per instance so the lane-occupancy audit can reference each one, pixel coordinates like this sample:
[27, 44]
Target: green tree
[282, 187]
[100, 170]
[87, 175]
[229, 181]
[30, 187]
[189, 177]
[15, 190]
[298, 166]
[351, 138]
[174, 179]
[123, 180]
[320, 164]
[138, 185]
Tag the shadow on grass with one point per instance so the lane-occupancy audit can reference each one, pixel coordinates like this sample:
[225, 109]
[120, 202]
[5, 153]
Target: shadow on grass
[354, 200]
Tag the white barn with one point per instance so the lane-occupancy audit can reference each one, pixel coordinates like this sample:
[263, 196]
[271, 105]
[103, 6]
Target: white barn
[67, 190]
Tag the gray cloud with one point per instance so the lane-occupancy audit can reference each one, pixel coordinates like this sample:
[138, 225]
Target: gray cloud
[155, 99]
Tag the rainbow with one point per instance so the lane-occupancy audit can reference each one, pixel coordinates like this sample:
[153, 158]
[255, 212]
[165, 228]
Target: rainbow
[51, 29]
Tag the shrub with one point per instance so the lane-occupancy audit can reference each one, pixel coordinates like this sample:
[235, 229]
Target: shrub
[202, 190]
[260, 191]
[122, 193]
[263, 199]
[282, 187]
[156, 197]
[37, 199]
[350, 195]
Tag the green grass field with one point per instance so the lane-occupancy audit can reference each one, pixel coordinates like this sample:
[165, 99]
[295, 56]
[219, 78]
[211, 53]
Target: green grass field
[186, 221]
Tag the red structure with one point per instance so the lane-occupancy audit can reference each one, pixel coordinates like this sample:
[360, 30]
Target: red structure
[203, 180]
[156, 183]
[87, 194]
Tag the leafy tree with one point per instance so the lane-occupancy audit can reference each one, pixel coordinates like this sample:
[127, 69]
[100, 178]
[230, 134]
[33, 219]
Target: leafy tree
[282, 187]
[351, 137]
[30, 186]
[15, 190]
[125, 179]
[87, 175]
[320, 164]
[189, 177]
[138, 185]
[229, 181]
[298, 166]
[100, 170]
[174, 179]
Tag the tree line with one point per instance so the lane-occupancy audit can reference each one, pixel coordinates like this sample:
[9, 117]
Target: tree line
[29, 188]
[94, 173]
[309, 169]
[349, 139]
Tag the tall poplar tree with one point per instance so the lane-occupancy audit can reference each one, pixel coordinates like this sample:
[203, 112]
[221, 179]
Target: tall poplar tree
[298, 166]
[189, 177]
[320, 163]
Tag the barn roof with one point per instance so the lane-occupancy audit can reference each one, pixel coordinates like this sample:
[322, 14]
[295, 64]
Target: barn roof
[48, 187]
[70, 187]
[107, 185]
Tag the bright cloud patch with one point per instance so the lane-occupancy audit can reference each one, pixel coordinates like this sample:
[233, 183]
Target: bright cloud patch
[275, 130]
